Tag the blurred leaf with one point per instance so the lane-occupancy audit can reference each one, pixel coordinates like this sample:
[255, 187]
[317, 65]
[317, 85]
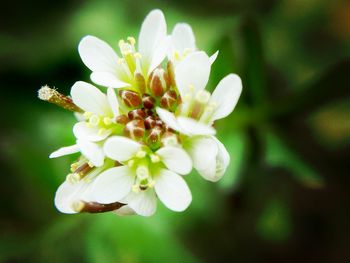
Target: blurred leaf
[279, 155]
[134, 239]
[254, 79]
[274, 222]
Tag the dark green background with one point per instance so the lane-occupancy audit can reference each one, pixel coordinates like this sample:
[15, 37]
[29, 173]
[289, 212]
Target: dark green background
[285, 196]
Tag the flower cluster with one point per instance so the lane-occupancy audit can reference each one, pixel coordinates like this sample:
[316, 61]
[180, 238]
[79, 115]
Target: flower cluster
[151, 127]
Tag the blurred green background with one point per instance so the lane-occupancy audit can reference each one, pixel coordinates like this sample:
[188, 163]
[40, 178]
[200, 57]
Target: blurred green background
[285, 196]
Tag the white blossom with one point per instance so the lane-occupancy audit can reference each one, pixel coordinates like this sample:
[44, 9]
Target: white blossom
[143, 176]
[110, 70]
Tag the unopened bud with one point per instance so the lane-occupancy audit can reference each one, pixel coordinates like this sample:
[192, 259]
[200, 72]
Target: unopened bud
[137, 114]
[135, 129]
[148, 101]
[140, 83]
[150, 122]
[158, 82]
[130, 98]
[169, 100]
[155, 135]
[122, 119]
[53, 96]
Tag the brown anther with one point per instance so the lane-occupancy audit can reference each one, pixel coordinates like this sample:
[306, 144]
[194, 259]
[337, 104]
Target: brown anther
[140, 82]
[148, 101]
[135, 129]
[137, 114]
[122, 119]
[169, 100]
[150, 122]
[155, 135]
[130, 98]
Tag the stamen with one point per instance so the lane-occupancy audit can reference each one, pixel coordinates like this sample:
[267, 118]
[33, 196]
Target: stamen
[131, 40]
[140, 154]
[107, 120]
[202, 96]
[94, 120]
[177, 56]
[155, 158]
[142, 172]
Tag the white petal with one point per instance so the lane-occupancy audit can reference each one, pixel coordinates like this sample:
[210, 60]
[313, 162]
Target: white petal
[169, 119]
[64, 151]
[183, 38]
[213, 57]
[121, 148]
[151, 38]
[223, 159]
[67, 194]
[192, 127]
[108, 79]
[89, 98]
[97, 55]
[124, 211]
[203, 151]
[113, 102]
[113, 184]
[92, 151]
[193, 71]
[173, 191]
[64, 197]
[175, 159]
[93, 134]
[226, 95]
[144, 203]
[158, 55]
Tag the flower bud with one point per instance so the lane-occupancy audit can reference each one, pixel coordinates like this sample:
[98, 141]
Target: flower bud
[150, 122]
[122, 119]
[158, 82]
[148, 101]
[137, 114]
[155, 135]
[169, 100]
[131, 98]
[135, 129]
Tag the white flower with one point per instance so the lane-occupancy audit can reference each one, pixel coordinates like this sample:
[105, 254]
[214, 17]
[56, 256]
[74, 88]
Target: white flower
[99, 121]
[182, 42]
[77, 187]
[210, 158]
[143, 176]
[109, 70]
[198, 111]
